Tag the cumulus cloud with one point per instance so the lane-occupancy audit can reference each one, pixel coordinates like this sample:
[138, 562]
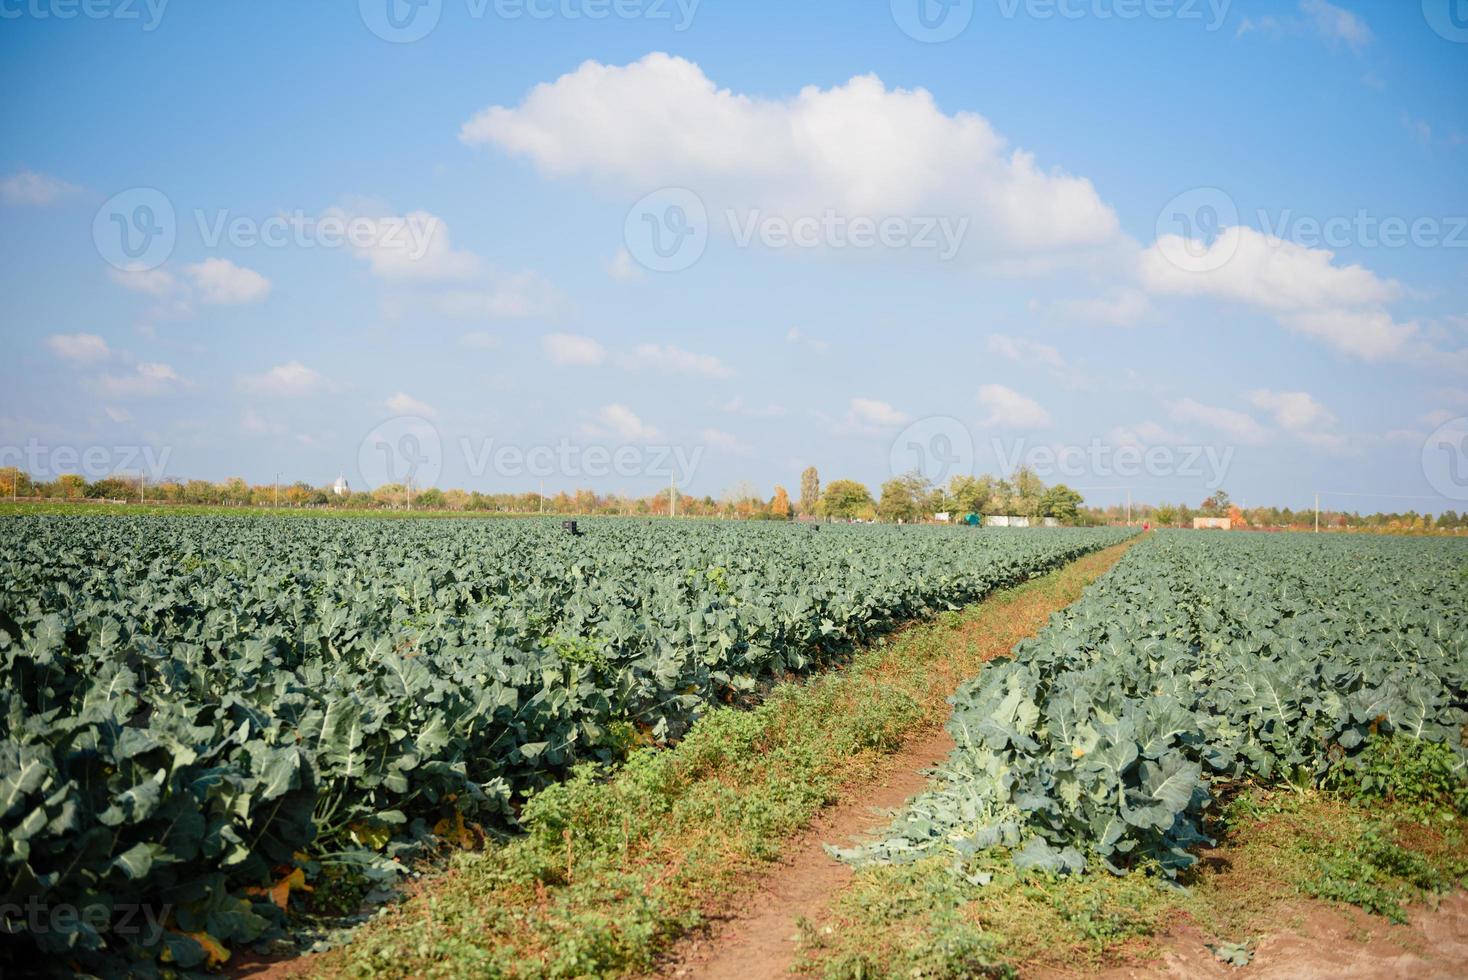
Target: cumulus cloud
[1303, 287]
[1008, 409]
[1144, 435]
[404, 404]
[411, 248]
[146, 379]
[222, 283]
[29, 188]
[290, 380]
[621, 422]
[570, 349]
[78, 347]
[861, 148]
[873, 414]
[1292, 410]
[725, 442]
[675, 360]
[1237, 426]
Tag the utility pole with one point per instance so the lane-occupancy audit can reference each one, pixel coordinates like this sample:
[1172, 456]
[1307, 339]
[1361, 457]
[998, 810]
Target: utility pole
[277, 491]
[141, 478]
[1129, 508]
[1317, 513]
[673, 495]
[410, 492]
[542, 498]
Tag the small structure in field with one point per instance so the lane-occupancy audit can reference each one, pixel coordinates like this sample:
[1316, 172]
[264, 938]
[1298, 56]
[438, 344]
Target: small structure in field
[1212, 524]
[943, 517]
[340, 487]
[1001, 521]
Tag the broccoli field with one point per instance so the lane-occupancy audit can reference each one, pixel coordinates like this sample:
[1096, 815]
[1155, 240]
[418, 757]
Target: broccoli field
[199, 710]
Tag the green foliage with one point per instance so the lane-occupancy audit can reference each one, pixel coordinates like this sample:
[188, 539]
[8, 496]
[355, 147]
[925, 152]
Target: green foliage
[195, 708]
[1404, 770]
[1199, 660]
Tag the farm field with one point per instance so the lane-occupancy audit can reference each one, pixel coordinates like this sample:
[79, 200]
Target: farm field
[1288, 705]
[207, 715]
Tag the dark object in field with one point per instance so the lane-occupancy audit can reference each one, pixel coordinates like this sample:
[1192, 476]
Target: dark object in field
[571, 528]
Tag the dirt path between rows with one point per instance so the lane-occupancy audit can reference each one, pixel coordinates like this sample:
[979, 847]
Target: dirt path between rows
[760, 940]
[759, 937]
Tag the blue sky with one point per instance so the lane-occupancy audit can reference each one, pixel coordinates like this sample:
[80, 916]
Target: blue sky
[1213, 243]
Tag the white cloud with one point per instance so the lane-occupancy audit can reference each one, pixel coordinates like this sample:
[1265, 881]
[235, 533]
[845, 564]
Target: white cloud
[1237, 426]
[1008, 409]
[404, 404]
[1302, 287]
[624, 267]
[570, 349]
[620, 422]
[1019, 349]
[411, 248]
[222, 283]
[871, 413]
[31, 189]
[82, 347]
[1336, 23]
[1295, 411]
[726, 442]
[860, 148]
[117, 414]
[153, 282]
[1438, 417]
[675, 360]
[147, 379]
[290, 380]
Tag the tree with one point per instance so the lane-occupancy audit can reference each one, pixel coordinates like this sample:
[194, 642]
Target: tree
[1217, 505]
[904, 497]
[1061, 503]
[971, 495]
[810, 490]
[845, 499]
[780, 508]
[1166, 515]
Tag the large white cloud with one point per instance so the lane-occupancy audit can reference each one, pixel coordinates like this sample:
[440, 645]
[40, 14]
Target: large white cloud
[79, 346]
[1303, 287]
[289, 380]
[222, 283]
[859, 147]
[1008, 409]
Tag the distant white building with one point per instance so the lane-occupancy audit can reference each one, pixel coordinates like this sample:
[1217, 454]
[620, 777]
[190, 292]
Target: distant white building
[999, 520]
[340, 487]
[1212, 524]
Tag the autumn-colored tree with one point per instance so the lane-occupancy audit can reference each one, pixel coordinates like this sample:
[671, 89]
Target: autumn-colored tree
[780, 508]
[810, 490]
